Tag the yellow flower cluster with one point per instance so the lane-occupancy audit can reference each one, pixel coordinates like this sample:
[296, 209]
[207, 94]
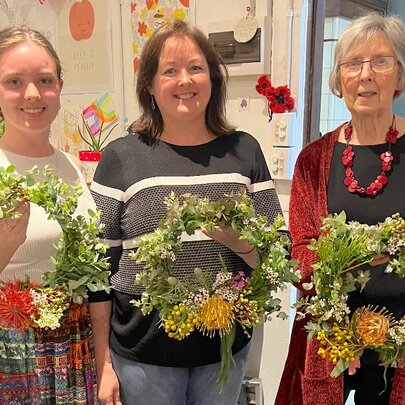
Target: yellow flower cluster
[338, 345]
[180, 323]
[216, 313]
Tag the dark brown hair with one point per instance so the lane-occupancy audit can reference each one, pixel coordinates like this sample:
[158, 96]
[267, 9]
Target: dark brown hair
[151, 122]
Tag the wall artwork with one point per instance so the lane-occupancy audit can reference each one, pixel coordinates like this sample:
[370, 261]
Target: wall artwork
[69, 120]
[148, 15]
[84, 46]
[40, 17]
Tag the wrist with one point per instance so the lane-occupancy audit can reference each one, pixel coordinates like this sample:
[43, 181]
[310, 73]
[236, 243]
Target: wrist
[247, 252]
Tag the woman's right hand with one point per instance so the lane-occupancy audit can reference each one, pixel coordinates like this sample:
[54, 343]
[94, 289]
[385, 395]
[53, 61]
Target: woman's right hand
[108, 387]
[13, 232]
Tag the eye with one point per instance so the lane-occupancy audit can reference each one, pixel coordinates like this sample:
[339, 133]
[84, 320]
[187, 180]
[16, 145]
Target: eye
[381, 60]
[169, 72]
[196, 68]
[353, 64]
[46, 81]
[13, 82]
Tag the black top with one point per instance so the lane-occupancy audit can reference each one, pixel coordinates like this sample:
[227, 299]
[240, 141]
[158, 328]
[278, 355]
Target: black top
[383, 289]
[130, 185]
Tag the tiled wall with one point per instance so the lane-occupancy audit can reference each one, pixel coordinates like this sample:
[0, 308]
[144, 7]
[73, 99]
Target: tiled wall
[333, 109]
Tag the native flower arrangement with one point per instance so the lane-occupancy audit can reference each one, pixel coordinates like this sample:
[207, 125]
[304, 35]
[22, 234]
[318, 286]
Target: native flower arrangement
[213, 304]
[79, 262]
[341, 249]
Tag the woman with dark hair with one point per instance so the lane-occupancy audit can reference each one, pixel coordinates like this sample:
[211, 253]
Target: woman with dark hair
[358, 168]
[183, 143]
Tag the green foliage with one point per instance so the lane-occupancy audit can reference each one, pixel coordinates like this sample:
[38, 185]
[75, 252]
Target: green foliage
[181, 302]
[79, 260]
[341, 249]
[97, 142]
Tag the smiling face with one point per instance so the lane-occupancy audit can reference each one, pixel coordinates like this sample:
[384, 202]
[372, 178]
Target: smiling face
[182, 85]
[370, 93]
[29, 89]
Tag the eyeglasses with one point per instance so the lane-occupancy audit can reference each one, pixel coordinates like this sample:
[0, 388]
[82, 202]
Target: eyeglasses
[380, 64]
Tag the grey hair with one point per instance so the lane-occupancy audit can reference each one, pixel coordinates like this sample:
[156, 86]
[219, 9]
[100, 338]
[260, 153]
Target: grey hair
[362, 30]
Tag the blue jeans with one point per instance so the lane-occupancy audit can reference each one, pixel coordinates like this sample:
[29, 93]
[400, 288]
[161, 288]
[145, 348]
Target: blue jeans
[142, 384]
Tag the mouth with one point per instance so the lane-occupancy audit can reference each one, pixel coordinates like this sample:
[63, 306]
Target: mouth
[185, 96]
[367, 93]
[33, 110]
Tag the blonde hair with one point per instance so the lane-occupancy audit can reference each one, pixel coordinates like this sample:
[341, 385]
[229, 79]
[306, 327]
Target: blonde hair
[15, 35]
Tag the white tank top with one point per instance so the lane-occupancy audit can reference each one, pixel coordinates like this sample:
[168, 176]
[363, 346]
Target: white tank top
[33, 257]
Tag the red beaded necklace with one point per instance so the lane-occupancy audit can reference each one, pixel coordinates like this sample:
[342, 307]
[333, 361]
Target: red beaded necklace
[386, 163]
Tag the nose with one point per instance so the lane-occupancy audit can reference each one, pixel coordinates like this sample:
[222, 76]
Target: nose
[31, 92]
[366, 71]
[184, 77]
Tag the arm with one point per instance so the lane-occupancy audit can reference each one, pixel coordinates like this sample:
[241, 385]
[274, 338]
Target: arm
[101, 302]
[304, 222]
[107, 381]
[13, 233]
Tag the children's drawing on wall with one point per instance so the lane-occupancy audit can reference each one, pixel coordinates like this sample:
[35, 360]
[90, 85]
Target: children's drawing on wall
[148, 15]
[69, 122]
[81, 20]
[97, 118]
[84, 44]
[41, 17]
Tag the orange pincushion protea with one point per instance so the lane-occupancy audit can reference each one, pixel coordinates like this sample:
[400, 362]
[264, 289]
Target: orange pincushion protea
[16, 306]
[371, 327]
[216, 313]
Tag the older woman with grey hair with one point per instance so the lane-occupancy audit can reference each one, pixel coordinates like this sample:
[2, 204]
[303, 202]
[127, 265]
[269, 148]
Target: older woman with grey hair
[359, 168]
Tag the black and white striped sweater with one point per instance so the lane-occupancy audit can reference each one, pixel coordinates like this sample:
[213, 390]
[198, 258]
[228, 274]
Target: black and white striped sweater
[130, 184]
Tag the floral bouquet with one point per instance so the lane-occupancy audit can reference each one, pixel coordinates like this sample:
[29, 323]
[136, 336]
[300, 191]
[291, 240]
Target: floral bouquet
[341, 248]
[79, 262]
[213, 304]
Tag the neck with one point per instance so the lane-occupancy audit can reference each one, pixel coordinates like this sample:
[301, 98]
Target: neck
[188, 135]
[38, 146]
[370, 131]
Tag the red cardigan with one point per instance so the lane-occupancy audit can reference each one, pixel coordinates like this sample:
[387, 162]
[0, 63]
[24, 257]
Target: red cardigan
[306, 378]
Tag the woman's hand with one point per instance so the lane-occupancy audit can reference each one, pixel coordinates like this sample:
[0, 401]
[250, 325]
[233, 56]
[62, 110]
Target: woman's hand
[354, 365]
[379, 259]
[13, 232]
[230, 238]
[108, 387]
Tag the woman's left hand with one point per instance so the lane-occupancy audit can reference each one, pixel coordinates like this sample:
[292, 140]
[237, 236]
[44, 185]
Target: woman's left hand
[231, 239]
[379, 259]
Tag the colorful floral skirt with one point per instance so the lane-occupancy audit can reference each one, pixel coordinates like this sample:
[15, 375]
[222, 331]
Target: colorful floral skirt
[49, 367]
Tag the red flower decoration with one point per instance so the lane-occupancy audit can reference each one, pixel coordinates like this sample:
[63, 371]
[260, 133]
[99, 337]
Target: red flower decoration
[16, 306]
[279, 98]
[263, 84]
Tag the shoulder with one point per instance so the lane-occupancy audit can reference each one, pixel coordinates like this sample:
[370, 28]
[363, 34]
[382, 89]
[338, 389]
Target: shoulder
[241, 140]
[317, 148]
[128, 141]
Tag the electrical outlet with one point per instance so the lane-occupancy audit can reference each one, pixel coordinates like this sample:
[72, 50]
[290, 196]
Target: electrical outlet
[283, 129]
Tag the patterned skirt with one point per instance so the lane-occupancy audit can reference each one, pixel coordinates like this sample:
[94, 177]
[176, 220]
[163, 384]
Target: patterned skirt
[49, 367]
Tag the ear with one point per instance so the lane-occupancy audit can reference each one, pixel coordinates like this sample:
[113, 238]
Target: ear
[150, 90]
[61, 84]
